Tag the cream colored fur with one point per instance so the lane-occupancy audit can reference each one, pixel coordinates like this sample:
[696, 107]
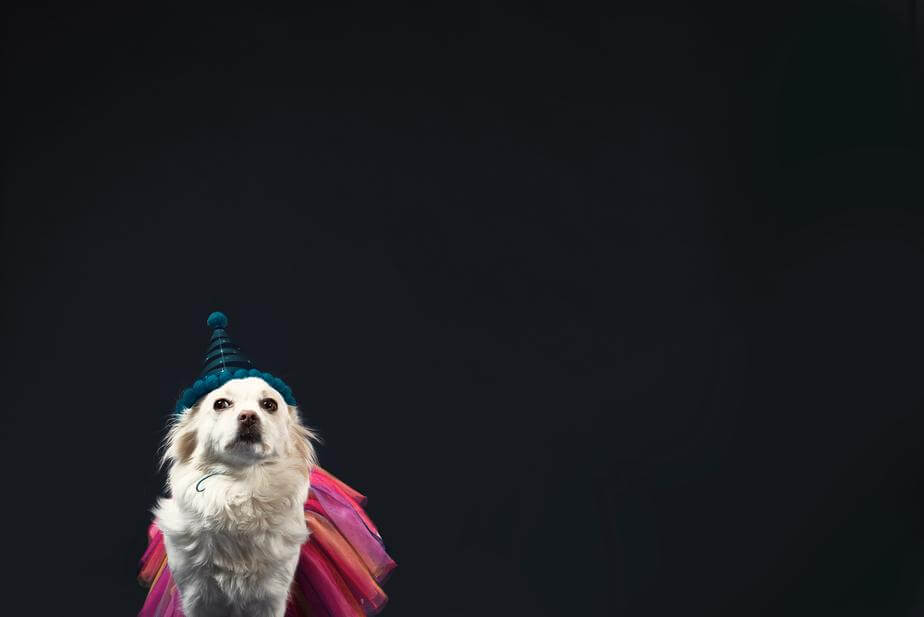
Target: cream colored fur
[233, 545]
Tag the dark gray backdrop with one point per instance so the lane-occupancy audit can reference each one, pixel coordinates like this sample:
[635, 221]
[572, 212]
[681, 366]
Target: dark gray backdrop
[608, 309]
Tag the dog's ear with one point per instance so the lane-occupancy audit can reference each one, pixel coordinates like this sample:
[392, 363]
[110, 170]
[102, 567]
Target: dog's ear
[180, 442]
[186, 445]
[303, 438]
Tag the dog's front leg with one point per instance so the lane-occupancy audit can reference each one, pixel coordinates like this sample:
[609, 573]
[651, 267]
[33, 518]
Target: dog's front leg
[197, 608]
[267, 607]
[272, 602]
[203, 600]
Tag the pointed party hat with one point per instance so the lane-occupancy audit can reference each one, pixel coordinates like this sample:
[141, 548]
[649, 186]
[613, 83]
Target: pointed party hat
[222, 354]
[223, 362]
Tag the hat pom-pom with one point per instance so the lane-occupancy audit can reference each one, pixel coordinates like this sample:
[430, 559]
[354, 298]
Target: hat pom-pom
[217, 320]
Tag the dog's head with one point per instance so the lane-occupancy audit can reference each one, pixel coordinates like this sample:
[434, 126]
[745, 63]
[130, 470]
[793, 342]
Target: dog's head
[244, 422]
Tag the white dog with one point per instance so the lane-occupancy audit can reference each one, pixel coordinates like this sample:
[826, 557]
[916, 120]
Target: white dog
[240, 466]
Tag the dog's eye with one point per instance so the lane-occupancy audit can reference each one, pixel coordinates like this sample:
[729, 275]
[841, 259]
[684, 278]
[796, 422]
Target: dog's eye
[269, 404]
[221, 403]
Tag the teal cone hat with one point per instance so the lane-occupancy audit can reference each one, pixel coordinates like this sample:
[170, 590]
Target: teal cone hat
[222, 354]
[223, 362]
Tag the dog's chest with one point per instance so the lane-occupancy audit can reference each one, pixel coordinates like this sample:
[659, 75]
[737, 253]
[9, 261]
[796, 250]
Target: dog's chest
[244, 545]
[243, 516]
[232, 552]
[228, 506]
[239, 531]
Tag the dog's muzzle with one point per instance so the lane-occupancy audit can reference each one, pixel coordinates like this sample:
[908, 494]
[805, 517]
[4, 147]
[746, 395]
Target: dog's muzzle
[248, 429]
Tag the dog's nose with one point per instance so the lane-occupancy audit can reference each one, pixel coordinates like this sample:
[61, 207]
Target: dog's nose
[247, 418]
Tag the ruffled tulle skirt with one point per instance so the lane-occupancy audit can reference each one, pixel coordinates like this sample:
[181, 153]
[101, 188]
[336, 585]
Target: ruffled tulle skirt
[340, 570]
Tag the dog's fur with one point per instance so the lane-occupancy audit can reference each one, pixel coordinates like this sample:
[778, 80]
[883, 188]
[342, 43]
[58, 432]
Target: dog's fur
[233, 545]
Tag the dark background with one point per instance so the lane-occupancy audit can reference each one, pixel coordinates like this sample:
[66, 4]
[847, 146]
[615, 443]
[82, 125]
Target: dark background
[609, 310]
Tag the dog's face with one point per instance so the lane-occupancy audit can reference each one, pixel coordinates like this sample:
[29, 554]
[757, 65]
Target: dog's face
[243, 422]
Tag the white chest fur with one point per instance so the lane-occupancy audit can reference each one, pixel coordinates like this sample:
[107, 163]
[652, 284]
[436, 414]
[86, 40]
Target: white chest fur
[233, 540]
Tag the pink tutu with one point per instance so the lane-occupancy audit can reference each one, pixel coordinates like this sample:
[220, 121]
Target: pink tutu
[340, 571]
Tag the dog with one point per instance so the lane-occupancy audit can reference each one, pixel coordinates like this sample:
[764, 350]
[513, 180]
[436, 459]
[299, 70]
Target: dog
[239, 461]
